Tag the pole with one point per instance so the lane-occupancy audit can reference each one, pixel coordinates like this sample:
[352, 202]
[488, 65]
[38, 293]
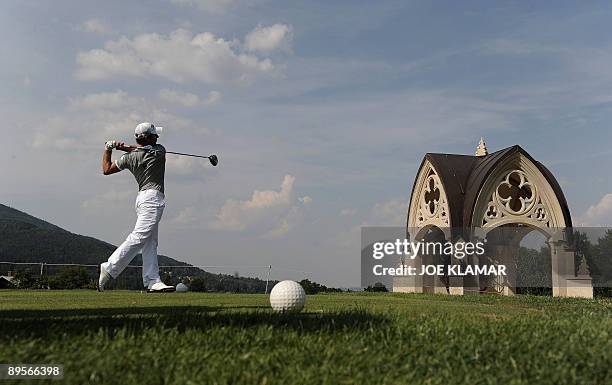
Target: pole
[268, 277]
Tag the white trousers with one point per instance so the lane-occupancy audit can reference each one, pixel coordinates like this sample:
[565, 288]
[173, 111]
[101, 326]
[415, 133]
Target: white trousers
[149, 208]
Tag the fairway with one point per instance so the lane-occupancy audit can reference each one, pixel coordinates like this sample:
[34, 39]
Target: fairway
[126, 337]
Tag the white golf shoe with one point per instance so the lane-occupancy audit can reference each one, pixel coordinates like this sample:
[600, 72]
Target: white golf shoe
[104, 278]
[160, 287]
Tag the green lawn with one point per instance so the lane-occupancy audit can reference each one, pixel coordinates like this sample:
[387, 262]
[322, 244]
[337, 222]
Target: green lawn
[121, 337]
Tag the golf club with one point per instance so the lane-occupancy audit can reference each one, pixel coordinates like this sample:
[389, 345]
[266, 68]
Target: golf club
[212, 158]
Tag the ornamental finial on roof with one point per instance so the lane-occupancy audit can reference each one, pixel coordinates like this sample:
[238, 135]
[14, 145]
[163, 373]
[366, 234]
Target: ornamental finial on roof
[481, 150]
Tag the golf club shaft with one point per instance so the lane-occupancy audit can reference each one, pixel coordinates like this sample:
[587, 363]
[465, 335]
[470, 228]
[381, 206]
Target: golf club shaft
[129, 148]
[182, 153]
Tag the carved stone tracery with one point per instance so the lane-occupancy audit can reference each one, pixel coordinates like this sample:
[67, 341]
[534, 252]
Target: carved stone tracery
[432, 207]
[515, 196]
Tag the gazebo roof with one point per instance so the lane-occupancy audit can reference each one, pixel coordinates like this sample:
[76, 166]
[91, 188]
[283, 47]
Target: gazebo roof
[462, 177]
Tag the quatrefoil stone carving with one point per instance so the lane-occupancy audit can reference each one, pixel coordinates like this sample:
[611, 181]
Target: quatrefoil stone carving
[516, 193]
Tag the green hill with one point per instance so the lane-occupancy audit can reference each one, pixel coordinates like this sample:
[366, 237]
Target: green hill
[24, 238]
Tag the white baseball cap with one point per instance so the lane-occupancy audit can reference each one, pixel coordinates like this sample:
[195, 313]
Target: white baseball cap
[147, 128]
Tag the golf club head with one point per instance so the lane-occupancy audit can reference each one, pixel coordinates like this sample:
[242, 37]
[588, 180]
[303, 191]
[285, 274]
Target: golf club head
[213, 160]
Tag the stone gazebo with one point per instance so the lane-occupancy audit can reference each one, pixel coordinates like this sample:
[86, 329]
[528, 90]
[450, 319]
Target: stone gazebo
[503, 195]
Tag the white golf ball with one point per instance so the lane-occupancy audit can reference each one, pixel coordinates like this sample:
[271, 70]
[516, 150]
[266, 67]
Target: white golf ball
[287, 296]
[181, 287]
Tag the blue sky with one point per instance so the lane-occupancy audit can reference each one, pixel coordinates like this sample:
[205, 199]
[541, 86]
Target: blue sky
[320, 112]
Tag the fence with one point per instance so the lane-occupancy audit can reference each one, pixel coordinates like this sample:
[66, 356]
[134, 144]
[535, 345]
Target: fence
[217, 277]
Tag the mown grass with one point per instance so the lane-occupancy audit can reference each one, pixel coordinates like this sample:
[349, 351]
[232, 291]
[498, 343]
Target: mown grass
[122, 337]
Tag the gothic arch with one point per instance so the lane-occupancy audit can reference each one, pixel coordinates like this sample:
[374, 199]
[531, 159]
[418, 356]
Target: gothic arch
[517, 191]
[428, 202]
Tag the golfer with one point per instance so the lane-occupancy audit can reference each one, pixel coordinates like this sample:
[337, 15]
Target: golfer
[147, 162]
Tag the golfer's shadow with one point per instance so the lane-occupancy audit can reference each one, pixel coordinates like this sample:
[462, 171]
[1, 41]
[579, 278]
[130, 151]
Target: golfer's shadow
[133, 320]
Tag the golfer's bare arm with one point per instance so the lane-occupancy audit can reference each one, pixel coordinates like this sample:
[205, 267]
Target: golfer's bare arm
[108, 166]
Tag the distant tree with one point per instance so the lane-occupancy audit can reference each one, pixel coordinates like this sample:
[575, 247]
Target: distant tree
[377, 287]
[533, 271]
[197, 284]
[601, 265]
[24, 279]
[168, 279]
[72, 277]
[311, 287]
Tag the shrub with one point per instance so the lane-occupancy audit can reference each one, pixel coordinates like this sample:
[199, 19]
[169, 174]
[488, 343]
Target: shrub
[72, 277]
[197, 284]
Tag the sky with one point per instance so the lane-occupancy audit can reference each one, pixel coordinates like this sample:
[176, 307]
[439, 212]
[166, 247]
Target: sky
[320, 113]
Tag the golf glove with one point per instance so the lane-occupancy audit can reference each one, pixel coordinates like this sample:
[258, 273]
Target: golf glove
[110, 145]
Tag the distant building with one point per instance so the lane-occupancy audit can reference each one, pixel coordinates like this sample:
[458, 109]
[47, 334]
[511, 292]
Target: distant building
[6, 281]
[488, 197]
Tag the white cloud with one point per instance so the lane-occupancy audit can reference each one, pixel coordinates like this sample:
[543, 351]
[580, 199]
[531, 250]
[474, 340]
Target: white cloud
[214, 6]
[390, 213]
[182, 165]
[183, 98]
[348, 212]
[268, 39]
[516, 47]
[92, 119]
[186, 216]
[96, 26]
[274, 213]
[188, 99]
[180, 57]
[104, 100]
[235, 215]
[599, 214]
[44, 139]
[287, 223]
[102, 202]
[214, 97]
[270, 198]
[305, 200]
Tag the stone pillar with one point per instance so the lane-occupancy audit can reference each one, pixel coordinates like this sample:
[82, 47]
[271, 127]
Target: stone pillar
[432, 284]
[409, 284]
[456, 283]
[509, 257]
[565, 283]
[464, 285]
[581, 285]
[559, 263]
